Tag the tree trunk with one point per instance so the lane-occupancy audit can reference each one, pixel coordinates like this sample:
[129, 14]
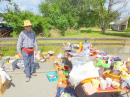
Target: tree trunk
[103, 30]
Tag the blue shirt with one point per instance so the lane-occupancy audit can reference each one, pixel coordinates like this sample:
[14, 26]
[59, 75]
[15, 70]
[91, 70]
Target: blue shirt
[26, 40]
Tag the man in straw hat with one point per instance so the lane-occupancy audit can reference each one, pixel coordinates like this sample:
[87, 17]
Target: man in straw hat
[25, 47]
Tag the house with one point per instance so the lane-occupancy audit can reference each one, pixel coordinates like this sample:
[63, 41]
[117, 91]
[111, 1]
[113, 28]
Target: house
[2, 20]
[120, 23]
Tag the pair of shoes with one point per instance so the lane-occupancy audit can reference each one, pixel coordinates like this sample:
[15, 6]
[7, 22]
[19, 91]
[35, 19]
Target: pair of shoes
[27, 79]
[34, 74]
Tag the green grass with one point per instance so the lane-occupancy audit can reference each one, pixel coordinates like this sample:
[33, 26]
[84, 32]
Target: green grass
[70, 33]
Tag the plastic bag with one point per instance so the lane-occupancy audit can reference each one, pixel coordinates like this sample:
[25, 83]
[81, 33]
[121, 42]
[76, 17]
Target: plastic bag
[79, 74]
[60, 56]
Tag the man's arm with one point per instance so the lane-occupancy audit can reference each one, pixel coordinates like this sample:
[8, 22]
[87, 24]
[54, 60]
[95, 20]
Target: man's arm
[19, 43]
[35, 43]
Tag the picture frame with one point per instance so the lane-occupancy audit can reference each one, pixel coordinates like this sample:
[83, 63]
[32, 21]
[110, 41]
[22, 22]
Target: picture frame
[37, 55]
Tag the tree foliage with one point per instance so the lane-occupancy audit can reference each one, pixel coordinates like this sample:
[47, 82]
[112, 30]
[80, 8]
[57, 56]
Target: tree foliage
[128, 23]
[81, 13]
[63, 14]
[16, 17]
[109, 14]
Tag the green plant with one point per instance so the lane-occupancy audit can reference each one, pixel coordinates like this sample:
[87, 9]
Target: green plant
[89, 31]
[40, 24]
[127, 30]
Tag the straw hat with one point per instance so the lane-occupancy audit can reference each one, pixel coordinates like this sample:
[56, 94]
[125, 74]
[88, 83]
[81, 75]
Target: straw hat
[27, 23]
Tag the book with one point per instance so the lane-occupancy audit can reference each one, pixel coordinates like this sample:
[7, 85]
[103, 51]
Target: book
[88, 88]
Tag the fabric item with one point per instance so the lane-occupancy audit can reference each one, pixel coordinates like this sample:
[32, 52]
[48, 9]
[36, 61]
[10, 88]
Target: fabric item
[117, 59]
[68, 90]
[29, 51]
[125, 83]
[28, 63]
[26, 40]
[4, 75]
[91, 90]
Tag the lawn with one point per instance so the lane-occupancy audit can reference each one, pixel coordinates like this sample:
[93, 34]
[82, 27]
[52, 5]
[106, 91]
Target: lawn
[70, 33]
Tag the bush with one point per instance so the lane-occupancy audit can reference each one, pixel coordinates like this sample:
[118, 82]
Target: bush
[89, 30]
[127, 30]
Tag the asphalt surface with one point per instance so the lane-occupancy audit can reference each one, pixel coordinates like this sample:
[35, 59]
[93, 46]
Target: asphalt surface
[38, 86]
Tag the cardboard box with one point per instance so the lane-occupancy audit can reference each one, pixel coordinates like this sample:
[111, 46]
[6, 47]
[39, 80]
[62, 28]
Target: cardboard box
[58, 67]
[68, 86]
[57, 59]
[58, 64]
[51, 58]
[61, 74]
[3, 86]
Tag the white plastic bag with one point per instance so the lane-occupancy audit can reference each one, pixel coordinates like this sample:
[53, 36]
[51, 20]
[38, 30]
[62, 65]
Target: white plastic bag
[79, 74]
[60, 56]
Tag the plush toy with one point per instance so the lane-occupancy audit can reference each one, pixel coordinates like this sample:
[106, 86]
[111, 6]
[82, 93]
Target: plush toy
[99, 62]
[119, 63]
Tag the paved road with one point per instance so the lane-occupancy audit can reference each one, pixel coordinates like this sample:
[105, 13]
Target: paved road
[39, 86]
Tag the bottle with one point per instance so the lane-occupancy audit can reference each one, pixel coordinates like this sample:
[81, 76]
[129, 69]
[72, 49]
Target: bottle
[80, 46]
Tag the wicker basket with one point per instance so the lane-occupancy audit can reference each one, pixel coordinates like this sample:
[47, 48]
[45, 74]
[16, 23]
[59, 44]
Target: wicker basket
[113, 77]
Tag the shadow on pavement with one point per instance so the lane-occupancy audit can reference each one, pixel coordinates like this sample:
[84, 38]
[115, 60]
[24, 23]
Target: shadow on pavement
[36, 66]
[11, 84]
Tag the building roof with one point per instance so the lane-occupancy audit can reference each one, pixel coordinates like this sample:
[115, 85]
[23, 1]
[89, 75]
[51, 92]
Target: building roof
[2, 20]
[123, 19]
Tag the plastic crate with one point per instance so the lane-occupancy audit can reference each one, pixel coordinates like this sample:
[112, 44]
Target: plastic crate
[3, 61]
[11, 66]
[92, 58]
[52, 79]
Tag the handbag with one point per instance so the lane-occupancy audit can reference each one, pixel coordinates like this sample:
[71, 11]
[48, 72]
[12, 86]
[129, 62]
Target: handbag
[29, 51]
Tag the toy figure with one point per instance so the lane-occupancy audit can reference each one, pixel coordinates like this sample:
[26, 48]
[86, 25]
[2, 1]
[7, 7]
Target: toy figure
[99, 62]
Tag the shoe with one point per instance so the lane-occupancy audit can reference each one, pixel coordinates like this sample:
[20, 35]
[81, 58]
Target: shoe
[27, 79]
[34, 74]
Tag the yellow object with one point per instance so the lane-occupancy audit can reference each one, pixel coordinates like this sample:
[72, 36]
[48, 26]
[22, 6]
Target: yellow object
[95, 83]
[44, 53]
[80, 46]
[87, 80]
[125, 77]
[16, 56]
[7, 62]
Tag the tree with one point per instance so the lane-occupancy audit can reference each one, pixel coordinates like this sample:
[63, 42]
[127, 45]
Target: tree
[128, 23]
[4, 2]
[15, 17]
[61, 13]
[106, 14]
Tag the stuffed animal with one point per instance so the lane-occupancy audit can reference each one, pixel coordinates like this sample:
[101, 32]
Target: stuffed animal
[99, 62]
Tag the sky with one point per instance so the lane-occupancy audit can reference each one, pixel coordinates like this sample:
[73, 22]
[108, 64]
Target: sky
[33, 5]
[24, 5]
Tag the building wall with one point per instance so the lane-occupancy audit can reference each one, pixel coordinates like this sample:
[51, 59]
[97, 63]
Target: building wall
[116, 27]
[123, 26]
